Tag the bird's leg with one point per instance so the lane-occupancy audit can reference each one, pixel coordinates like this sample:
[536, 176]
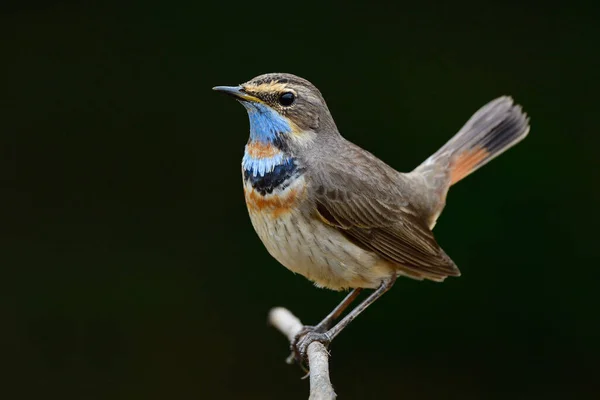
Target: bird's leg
[384, 287]
[325, 324]
[301, 344]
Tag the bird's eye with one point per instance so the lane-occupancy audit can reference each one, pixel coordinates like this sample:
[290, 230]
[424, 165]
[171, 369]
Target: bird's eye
[287, 99]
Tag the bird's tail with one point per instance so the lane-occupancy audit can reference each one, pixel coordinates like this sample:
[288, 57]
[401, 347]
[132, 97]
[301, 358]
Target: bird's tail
[492, 130]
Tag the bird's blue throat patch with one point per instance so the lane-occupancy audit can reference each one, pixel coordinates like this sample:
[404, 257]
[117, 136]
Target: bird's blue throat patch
[259, 166]
[265, 123]
[267, 163]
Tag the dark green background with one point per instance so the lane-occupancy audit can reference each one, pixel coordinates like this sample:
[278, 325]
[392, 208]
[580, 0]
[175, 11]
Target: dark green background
[129, 266]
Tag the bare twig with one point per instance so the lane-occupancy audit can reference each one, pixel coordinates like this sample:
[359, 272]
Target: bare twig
[318, 356]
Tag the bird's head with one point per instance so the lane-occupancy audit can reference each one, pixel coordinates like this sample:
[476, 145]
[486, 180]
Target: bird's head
[284, 108]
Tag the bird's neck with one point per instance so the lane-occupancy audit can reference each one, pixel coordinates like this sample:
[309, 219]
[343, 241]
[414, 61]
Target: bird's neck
[266, 148]
[268, 164]
[268, 168]
[262, 158]
[266, 124]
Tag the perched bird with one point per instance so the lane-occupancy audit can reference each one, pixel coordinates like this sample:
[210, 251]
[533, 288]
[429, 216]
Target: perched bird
[333, 212]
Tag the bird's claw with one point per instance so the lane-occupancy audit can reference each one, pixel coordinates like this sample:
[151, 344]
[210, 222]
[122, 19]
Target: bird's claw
[305, 329]
[303, 339]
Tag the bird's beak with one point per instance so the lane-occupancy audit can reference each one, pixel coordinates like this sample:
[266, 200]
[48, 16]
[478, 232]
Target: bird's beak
[238, 92]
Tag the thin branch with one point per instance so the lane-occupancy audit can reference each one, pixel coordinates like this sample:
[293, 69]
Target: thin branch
[318, 356]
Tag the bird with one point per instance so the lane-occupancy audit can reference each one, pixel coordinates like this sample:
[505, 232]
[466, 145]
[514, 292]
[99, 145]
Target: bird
[333, 212]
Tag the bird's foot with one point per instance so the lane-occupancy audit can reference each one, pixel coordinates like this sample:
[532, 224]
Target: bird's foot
[303, 339]
[306, 329]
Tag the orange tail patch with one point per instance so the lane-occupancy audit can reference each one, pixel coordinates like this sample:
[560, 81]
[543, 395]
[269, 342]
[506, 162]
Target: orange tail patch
[466, 162]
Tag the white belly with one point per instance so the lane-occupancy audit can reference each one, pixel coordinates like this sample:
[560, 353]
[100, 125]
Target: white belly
[308, 246]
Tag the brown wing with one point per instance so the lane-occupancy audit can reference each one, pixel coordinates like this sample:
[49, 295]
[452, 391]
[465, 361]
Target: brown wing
[377, 217]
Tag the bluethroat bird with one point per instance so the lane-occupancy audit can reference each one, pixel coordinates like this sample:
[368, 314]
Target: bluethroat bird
[333, 212]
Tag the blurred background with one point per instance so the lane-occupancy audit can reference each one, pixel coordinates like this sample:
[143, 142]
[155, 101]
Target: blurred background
[130, 269]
